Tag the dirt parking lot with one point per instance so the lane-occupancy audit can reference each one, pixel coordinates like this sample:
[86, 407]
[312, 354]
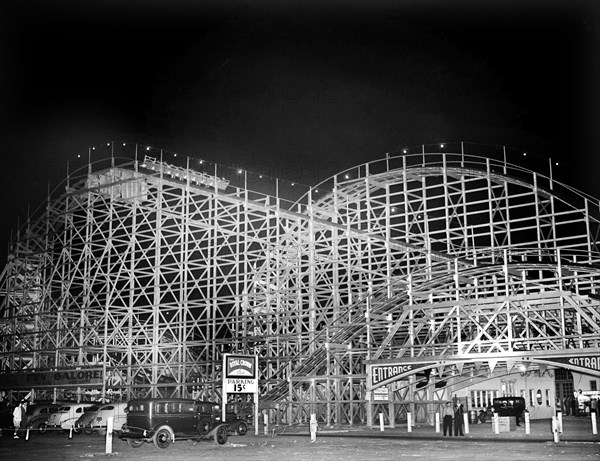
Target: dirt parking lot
[298, 447]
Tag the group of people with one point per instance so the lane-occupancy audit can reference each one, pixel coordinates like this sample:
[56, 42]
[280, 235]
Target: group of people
[453, 417]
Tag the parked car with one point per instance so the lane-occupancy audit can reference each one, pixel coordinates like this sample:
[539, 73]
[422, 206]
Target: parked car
[85, 419]
[114, 410]
[64, 418]
[509, 406]
[165, 421]
[210, 415]
[38, 413]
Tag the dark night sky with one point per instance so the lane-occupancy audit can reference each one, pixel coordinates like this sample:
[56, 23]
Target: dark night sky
[321, 86]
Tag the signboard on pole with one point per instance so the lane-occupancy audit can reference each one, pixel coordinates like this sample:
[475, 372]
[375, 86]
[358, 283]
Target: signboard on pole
[381, 394]
[240, 376]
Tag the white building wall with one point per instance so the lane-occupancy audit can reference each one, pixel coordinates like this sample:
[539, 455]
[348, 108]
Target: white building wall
[539, 392]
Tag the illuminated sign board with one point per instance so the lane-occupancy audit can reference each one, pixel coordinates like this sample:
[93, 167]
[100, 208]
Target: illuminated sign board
[240, 374]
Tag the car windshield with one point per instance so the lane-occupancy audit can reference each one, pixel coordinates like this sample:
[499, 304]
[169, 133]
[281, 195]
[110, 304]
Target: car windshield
[64, 408]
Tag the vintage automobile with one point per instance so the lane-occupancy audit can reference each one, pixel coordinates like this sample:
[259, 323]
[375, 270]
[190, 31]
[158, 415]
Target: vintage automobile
[166, 421]
[210, 415]
[509, 406]
[115, 410]
[38, 413]
[85, 419]
[64, 418]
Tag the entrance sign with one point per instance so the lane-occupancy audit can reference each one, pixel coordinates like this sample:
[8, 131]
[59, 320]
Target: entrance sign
[240, 376]
[591, 363]
[385, 373]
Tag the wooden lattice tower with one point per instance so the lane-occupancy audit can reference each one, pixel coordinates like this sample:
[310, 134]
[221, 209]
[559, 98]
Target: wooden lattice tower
[152, 271]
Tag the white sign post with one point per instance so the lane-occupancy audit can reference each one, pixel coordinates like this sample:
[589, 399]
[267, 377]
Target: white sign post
[240, 376]
[109, 433]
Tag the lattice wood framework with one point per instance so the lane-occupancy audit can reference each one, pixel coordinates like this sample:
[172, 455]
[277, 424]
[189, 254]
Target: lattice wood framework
[153, 275]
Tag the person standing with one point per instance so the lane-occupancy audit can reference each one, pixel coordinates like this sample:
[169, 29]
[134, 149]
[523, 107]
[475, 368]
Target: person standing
[458, 419]
[17, 418]
[447, 419]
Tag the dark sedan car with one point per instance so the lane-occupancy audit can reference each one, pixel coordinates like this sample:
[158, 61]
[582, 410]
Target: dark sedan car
[166, 421]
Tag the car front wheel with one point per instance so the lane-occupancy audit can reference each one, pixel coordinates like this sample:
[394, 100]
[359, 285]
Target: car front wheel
[242, 429]
[163, 437]
[221, 434]
[43, 428]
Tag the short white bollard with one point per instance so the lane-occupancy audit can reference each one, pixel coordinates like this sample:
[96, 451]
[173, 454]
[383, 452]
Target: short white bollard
[27, 435]
[409, 421]
[559, 422]
[381, 426]
[437, 422]
[527, 424]
[555, 430]
[466, 420]
[71, 432]
[496, 421]
[266, 422]
[313, 428]
[594, 423]
[109, 433]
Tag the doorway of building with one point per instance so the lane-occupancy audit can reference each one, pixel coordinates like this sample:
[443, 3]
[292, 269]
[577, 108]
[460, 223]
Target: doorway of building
[563, 380]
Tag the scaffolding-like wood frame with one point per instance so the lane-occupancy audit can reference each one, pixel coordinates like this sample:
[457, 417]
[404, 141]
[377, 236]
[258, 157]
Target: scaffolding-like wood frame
[153, 274]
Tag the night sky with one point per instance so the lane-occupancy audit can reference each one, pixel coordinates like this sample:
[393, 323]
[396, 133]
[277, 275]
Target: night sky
[297, 89]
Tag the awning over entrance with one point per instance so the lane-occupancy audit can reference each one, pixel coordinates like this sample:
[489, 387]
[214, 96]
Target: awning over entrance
[383, 372]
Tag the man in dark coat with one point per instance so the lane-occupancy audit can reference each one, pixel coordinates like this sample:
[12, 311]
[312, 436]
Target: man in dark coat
[458, 419]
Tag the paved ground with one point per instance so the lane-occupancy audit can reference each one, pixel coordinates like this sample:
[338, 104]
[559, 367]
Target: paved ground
[343, 443]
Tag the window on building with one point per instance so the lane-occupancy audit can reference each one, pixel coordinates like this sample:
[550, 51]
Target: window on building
[563, 374]
[593, 385]
[508, 388]
[483, 398]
